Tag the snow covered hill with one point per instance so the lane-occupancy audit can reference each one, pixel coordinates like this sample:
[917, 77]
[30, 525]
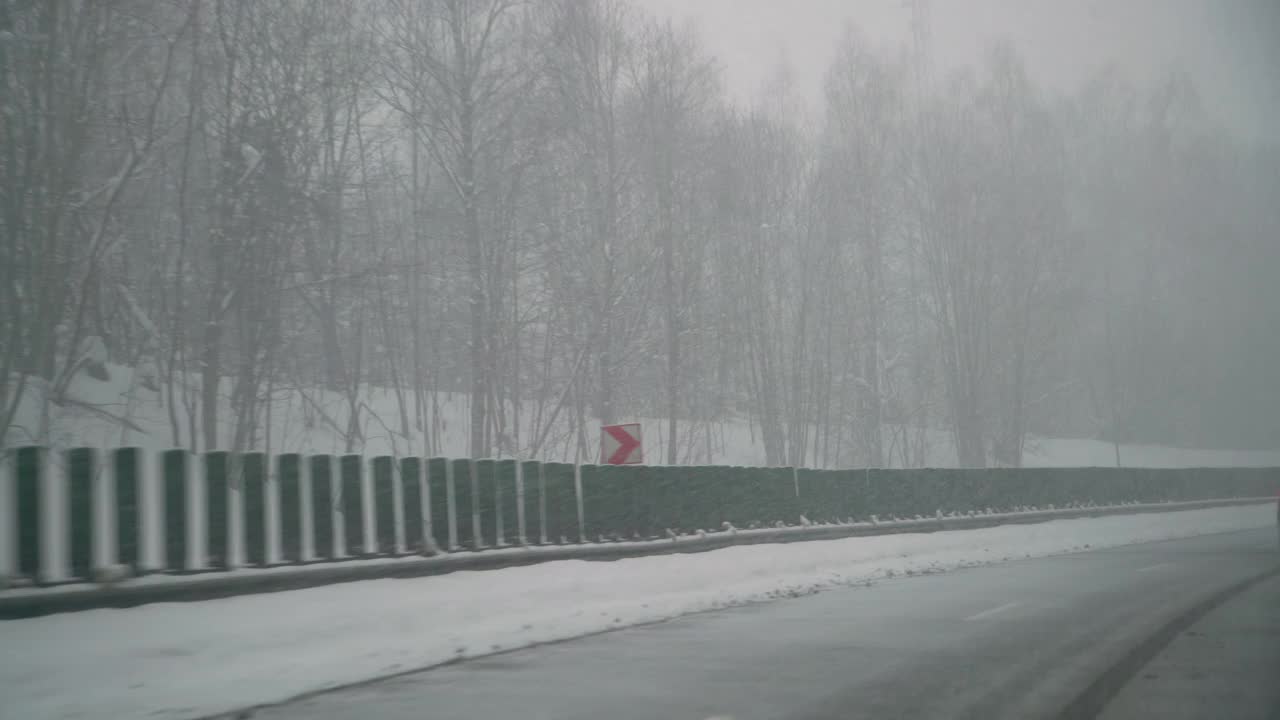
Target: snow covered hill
[122, 411]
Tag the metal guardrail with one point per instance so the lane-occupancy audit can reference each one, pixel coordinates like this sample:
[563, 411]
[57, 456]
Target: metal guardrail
[31, 602]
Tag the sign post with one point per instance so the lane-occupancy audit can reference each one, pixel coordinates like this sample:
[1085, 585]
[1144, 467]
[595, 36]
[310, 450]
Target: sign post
[620, 445]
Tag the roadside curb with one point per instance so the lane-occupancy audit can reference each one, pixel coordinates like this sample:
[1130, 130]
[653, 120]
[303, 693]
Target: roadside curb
[27, 603]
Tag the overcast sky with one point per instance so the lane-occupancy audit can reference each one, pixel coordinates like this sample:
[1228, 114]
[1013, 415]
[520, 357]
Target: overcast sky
[1230, 47]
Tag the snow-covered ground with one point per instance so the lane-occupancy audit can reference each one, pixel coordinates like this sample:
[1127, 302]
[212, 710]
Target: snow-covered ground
[191, 659]
[122, 412]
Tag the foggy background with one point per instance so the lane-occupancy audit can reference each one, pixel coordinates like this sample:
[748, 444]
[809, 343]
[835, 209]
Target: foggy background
[817, 233]
[1230, 49]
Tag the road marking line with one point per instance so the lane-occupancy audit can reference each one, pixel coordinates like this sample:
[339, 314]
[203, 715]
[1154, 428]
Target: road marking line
[993, 611]
[1157, 566]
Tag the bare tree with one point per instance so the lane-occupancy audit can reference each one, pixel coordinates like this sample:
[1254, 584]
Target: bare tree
[456, 76]
[673, 84]
[72, 147]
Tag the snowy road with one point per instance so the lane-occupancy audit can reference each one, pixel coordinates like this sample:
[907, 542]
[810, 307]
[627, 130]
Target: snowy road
[1015, 640]
[906, 623]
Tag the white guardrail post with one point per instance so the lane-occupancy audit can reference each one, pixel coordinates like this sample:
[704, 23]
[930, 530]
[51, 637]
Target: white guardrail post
[8, 517]
[193, 469]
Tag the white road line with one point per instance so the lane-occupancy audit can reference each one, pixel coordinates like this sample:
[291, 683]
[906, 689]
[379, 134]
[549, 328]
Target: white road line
[993, 611]
[1157, 566]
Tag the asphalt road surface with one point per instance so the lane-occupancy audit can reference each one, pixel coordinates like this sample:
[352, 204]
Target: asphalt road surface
[1018, 640]
[1227, 665]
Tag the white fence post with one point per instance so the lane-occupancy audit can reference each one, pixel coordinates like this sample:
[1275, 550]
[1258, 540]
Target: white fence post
[55, 556]
[271, 509]
[477, 532]
[451, 493]
[193, 469]
[499, 527]
[577, 491]
[103, 499]
[235, 511]
[522, 535]
[151, 529]
[425, 500]
[337, 516]
[542, 503]
[368, 517]
[306, 510]
[8, 515]
[397, 507]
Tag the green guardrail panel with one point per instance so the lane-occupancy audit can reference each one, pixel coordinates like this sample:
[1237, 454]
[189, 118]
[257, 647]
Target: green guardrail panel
[668, 499]
[289, 477]
[81, 470]
[217, 467]
[411, 473]
[384, 503]
[253, 483]
[30, 465]
[466, 508]
[505, 503]
[323, 476]
[438, 489]
[173, 468]
[127, 468]
[486, 500]
[350, 503]
[614, 504]
[534, 501]
[562, 503]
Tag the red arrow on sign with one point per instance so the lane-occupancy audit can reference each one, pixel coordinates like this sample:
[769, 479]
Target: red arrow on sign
[624, 443]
